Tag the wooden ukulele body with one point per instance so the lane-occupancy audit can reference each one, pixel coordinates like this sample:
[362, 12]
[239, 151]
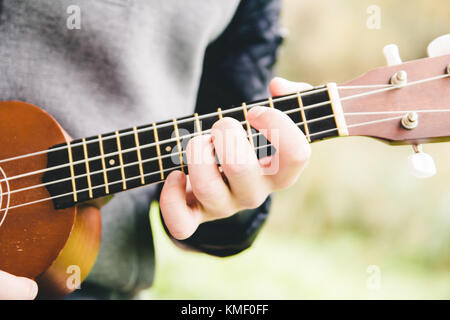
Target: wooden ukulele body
[57, 248]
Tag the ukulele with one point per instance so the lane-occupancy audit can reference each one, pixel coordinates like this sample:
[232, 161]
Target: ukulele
[46, 178]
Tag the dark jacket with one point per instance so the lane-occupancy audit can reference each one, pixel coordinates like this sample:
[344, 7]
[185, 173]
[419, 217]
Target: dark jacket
[237, 67]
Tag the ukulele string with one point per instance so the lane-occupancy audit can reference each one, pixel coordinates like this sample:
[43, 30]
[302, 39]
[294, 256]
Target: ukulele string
[239, 108]
[257, 134]
[442, 76]
[229, 110]
[207, 131]
[368, 113]
[141, 147]
[178, 167]
[109, 184]
[189, 136]
[170, 123]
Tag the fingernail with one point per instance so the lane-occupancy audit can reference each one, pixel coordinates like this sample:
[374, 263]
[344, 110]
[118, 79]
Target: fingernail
[294, 86]
[255, 112]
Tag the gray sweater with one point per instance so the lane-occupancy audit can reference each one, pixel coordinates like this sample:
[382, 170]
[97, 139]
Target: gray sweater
[130, 62]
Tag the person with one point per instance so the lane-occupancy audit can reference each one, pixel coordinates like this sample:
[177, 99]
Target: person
[135, 62]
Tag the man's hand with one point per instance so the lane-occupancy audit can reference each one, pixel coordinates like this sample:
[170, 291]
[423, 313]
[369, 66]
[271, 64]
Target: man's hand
[16, 288]
[208, 195]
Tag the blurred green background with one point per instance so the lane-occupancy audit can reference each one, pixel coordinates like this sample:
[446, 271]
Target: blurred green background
[356, 205]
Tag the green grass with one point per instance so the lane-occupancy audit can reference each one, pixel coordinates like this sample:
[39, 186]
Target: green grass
[290, 267]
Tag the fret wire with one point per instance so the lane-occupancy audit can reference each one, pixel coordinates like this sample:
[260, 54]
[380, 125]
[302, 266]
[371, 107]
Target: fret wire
[197, 124]
[165, 141]
[72, 173]
[156, 158]
[177, 135]
[182, 121]
[102, 153]
[100, 139]
[283, 98]
[219, 111]
[88, 171]
[302, 112]
[122, 171]
[136, 140]
[158, 151]
[271, 102]
[249, 130]
[317, 133]
[69, 193]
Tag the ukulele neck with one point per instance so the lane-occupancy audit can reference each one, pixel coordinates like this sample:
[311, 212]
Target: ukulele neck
[98, 166]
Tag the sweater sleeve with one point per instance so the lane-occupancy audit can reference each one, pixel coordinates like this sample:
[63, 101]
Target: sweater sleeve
[238, 67]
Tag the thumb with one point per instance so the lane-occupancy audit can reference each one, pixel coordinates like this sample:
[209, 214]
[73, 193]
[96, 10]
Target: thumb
[280, 86]
[16, 288]
[181, 220]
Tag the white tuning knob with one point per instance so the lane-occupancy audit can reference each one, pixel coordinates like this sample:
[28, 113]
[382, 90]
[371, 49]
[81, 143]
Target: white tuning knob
[439, 46]
[392, 55]
[421, 165]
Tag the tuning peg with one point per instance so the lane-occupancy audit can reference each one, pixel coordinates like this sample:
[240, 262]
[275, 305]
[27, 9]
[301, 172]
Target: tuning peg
[421, 164]
[392, 55]
[439, 46]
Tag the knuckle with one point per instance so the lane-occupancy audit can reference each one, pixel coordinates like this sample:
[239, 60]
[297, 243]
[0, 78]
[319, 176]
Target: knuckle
[236, 170]
[225, 127]
[193, 143]
[223, 212]
[252, 201]
[285, 182]
[225, 122]
[198, 150]
[300, 155]
[206, 190]
[190, 148]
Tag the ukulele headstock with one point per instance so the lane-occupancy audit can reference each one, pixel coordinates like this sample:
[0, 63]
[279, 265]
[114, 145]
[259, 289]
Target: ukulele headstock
[404, 103]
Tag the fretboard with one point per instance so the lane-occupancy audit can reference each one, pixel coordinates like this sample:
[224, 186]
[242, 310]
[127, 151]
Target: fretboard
[98, 166]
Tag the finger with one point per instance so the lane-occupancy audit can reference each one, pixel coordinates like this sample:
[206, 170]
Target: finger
[239, 163]
[280, 86]
[181, 220]
[293, 150]
[206, 180]
[16, 288]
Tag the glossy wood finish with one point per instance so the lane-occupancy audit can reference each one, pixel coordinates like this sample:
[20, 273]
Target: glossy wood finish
[78, 255]
[35, 240]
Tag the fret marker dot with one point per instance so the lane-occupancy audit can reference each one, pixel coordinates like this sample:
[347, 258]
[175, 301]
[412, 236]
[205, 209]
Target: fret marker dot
[168, 149]
[112, 162]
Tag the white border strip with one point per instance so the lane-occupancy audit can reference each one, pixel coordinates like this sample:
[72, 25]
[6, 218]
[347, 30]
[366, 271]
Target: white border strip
[8, 197]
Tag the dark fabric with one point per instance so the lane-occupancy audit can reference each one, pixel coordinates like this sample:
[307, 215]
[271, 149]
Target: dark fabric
[237, 68]
[90, 291]
[238, 65]
[226, 237]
